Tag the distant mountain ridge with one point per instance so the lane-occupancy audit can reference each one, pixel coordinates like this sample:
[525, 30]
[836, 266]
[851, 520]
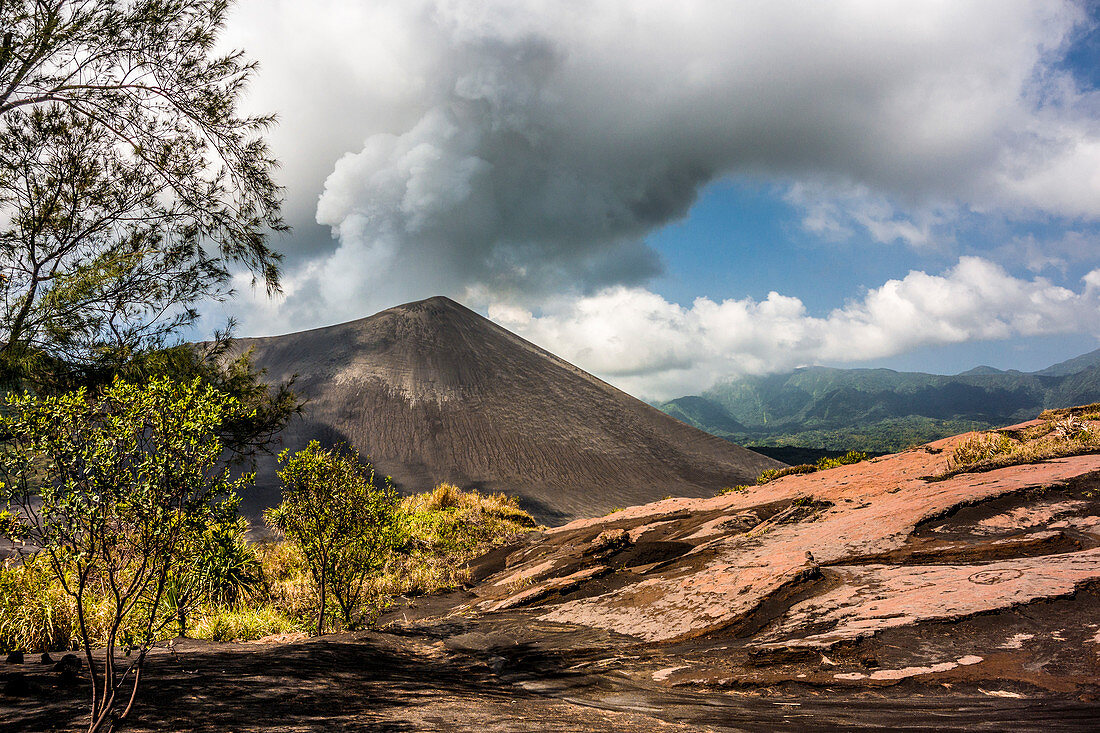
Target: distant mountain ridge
[433, 392]
[880, 409]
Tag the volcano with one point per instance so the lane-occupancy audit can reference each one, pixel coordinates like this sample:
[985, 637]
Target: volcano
[432, 392]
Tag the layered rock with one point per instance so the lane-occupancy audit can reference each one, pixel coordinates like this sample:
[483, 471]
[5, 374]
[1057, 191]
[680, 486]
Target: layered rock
[829, 577]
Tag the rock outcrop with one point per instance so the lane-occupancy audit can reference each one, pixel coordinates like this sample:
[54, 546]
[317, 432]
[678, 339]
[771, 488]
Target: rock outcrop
[866, 574]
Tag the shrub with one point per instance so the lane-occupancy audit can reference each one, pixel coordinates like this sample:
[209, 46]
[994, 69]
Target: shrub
[222, 570]
[110, 490]
[772, 474]
[343, 521]
[852, 456]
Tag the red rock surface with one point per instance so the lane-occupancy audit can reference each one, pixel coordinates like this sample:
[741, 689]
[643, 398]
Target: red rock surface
[820, 564]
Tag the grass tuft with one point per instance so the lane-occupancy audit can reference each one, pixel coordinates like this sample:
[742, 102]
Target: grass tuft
[447, 527]
[1067, 436]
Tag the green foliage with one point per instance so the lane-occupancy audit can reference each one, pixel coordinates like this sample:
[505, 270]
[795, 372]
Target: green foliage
[884, 436]
[343, 520]
[114, 491]
[738, 489]
[232, 590]
[221, 571]
[268, 409]
[772, 474]
[852, 456]
[130, 185]
[37, 614]
[878, 410]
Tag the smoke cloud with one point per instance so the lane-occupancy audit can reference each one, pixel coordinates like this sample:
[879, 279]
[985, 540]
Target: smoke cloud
[515, 150]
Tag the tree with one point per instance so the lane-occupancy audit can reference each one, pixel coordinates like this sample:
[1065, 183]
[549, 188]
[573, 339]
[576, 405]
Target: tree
[114, 490]
[268, 408]
[130, 186]
[344, 522]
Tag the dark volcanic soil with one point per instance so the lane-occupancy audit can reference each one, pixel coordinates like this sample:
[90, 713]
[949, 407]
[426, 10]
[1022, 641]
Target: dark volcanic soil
[508, 676]
[433, 392]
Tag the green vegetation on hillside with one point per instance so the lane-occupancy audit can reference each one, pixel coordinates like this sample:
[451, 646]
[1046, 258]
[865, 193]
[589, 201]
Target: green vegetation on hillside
[880, 410]
[825, 463]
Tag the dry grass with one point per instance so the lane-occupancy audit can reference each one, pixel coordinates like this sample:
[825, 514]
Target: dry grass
[286, 580]
[35, 613]
[245, 623]
[1054, 438]
[448, 527]
[448, 496]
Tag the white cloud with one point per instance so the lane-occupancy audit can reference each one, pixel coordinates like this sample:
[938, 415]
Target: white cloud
[528, 148]
[648, 346]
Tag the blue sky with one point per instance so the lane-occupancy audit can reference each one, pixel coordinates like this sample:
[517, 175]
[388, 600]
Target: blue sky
[672, 194]
[743, 239]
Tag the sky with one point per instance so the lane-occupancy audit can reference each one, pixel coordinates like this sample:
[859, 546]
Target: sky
[670, 195]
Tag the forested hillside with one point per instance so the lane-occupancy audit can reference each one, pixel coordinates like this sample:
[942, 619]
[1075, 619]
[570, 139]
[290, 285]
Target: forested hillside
[880, 409]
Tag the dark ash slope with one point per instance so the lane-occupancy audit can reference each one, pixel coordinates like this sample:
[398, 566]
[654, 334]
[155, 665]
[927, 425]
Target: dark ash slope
[432, 392]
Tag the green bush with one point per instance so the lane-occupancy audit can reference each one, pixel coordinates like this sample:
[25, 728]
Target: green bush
[772, 474]
[852, 456]
[445, 528]
[112, 486]
[344, 522]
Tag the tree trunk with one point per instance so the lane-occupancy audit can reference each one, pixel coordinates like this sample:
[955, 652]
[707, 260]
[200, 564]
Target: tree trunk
[321, 613]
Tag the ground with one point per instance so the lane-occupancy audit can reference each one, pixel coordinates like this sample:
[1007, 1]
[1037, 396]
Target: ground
[882, 595]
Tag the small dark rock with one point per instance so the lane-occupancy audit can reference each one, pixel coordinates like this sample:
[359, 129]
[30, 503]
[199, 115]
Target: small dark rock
[46, 658]
[68, 668]
[14, 658]
[68, 662]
